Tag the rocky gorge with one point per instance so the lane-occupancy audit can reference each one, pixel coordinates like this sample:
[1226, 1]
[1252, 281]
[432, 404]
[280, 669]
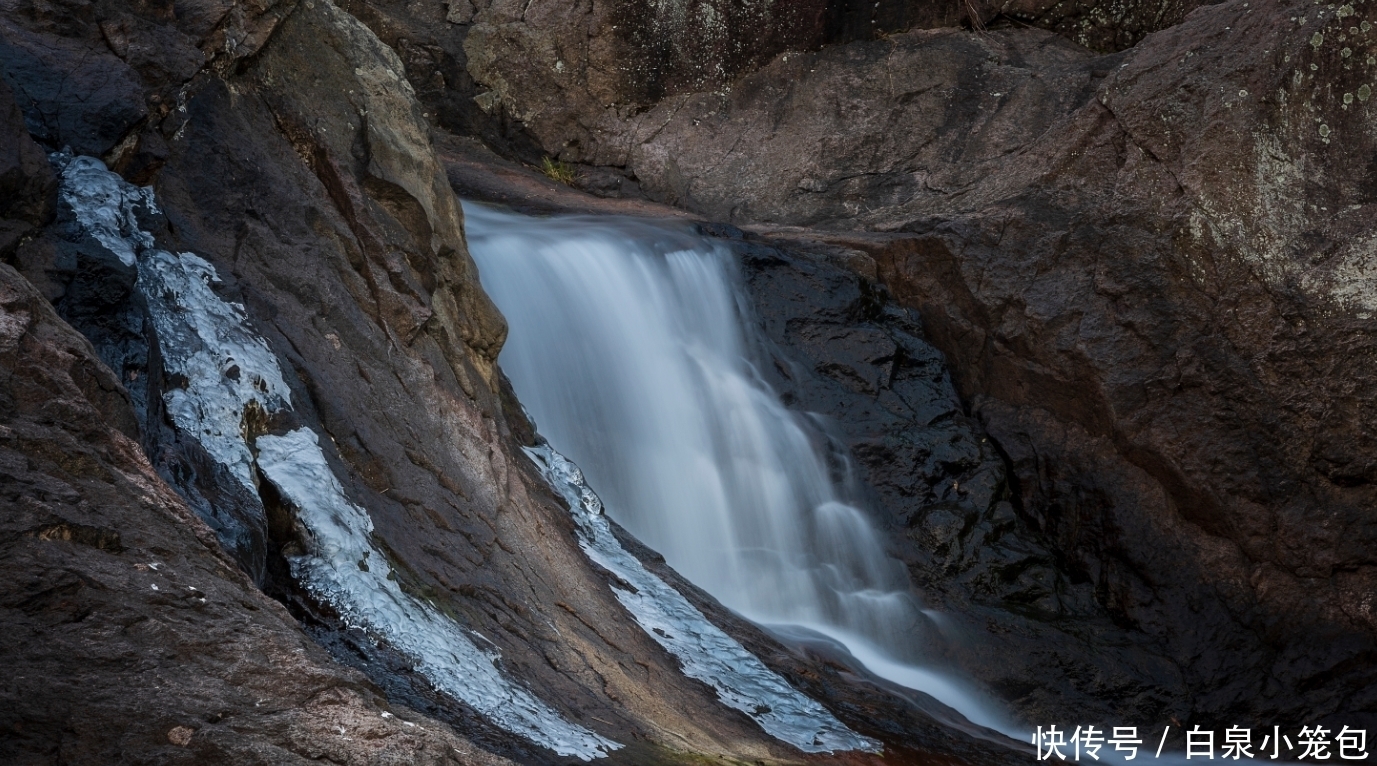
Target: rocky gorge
[1077, 293]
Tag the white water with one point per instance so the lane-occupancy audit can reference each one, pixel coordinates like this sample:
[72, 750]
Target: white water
[704, 652]
[628, 346]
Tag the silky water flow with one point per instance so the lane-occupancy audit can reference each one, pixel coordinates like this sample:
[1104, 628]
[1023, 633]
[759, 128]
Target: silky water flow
[630, 346]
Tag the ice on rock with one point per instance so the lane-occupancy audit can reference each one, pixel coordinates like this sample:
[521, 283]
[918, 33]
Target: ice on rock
[104, 204]
[339, 534]
[705, 652]
[203, 338]
[225, 366]
[206, 340]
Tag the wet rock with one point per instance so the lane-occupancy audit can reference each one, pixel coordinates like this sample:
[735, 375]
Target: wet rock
[1148, 274]
[915, 728]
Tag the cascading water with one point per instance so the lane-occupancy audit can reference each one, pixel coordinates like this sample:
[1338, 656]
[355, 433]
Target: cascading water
[628, 346]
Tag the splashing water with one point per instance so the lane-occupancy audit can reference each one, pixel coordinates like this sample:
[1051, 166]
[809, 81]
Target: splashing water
[628, 346]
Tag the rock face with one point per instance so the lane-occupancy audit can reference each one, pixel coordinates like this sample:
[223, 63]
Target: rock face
[549, 77]
[292, 168]
[1029, 628]
[130, 635]
[27, 185]
[1144, 486]
[1149, 272]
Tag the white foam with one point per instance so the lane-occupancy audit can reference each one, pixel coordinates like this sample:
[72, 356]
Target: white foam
[706, 653]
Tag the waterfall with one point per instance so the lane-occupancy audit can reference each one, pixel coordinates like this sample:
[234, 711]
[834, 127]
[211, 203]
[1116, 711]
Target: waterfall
[630, 345]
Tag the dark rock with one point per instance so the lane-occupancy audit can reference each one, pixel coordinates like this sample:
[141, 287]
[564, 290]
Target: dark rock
[73, 92]
[128, 634]
[28, 188]
[1148, 273]
[86, 75]
[94, 291]
[533, 79]
[1095, 24]
[585, 71]
[860, 364]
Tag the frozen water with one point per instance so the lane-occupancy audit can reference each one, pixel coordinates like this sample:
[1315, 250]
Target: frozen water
[204, 340]
[706, 653]
[344, 569]
[224, 367]
[104, 204]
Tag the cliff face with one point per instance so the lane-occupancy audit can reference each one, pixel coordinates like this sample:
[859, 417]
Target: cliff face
[130, 634]
[550, 76]
[289, 322]
[1145, 484]
[1148, 271]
